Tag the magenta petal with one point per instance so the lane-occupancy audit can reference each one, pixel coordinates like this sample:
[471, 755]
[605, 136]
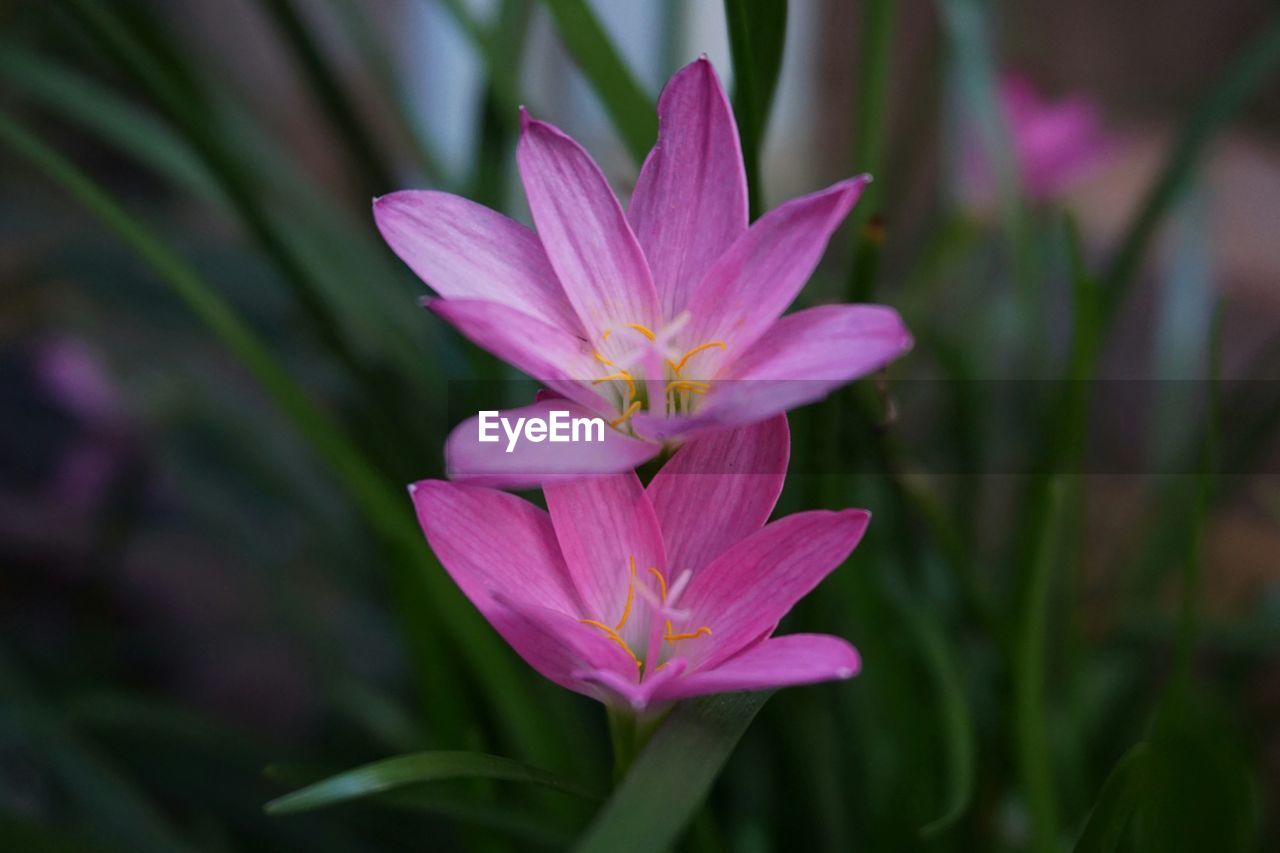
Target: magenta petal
[718, 489]
[560, 647]
[465, 250]
[637, 695]
[745, 591]
[547, 353]
[755, 280]
[585, 234]
[690, 201]
[776, 662]
[491, 543]
[802, 358]
[602, 523]
[533, 464]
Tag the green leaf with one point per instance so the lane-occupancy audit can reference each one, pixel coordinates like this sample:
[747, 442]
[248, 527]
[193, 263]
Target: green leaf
[414, 769]
[868, 141]
[1115, 805]
[631, 110]
[672, 776]
[757, 34]
[957, 722]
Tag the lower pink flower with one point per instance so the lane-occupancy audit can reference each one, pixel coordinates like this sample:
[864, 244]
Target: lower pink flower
[640, 596]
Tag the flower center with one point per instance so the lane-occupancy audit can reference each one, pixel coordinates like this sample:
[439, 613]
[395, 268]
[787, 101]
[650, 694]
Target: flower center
[662, 611]
[679, 393]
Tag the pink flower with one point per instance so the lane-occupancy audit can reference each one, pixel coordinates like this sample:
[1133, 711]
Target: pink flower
[642, 596]
[1054, 144]
[663, 320]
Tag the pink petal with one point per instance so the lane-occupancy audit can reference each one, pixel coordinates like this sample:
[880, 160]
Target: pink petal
[776, 662]
[546, 353]
[560, 647]
[465, 250]
[491, 543]
[602, 523]
[745, 591]
[586, 236]
[803, 357]
[533, 464]
[753, 282]
[690, 201]
[718, 489]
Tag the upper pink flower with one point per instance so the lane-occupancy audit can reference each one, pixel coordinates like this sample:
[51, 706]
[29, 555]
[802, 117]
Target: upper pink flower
[641, 596]
[663, 319]
[1054, 144]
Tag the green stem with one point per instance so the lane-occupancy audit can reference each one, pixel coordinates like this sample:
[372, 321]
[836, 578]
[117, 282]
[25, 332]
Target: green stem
[878, 18]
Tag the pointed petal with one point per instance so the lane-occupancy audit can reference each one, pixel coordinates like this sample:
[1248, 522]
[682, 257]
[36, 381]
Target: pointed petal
[753, 282]
[718, 489]
[560, 647]
[802, 358]
[638, 696]
[745, 591]
[545, 352]
[465, 250]
[491, 543]
[776, 662]
[530, 463]
[601, 523]
[690, 201]
[585, 234]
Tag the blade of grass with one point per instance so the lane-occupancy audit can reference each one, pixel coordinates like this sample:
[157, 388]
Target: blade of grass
[672, 776]
[868, 141]
[330, 95]
[422, 589]
[757, 35]
[1254, 67]
[626, 102]
[413, 769]
[1116, 803]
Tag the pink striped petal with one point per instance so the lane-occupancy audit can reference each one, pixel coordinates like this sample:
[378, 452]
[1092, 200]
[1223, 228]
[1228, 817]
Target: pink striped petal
[690, 201]
[491, 543]
[585, 234]
[776, 662]
[718, 489]
[560, 647]
[753, 282]
[465, 250]
[745, 591]
[532, 464]
[602, 523]
[546, 353]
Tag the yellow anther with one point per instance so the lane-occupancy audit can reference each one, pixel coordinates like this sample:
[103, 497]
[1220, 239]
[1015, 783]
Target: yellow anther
[691, 385]
[662, 582]
[613, 635]
[678, 366]
[631, 594]
[622, 376]
[626, 416]
[642, 330]
[602, 359]
[671, 638]
[607, 333]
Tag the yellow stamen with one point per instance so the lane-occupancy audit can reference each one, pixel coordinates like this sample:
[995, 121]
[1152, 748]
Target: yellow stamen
[671, 638]
[626, 416]
[607, 333]
[602, 359]
[691, 385]
[631, 594]
[661, 582]
[613, 635]
[621, 375]
[642, 330]
[678, 366]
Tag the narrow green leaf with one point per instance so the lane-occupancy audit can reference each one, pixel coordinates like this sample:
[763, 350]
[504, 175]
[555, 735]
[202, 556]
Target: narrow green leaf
[1115, 805]
[625, 101]
[757, 35]
[1251, 70]
[958, 736]
[868, 141]
[414, 769]
[671, 778]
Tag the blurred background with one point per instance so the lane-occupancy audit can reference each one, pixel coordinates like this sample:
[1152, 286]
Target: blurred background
[215, 383]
